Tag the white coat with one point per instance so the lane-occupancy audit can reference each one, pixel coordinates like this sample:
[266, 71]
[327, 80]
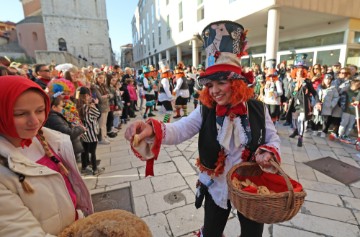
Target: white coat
[48, 210]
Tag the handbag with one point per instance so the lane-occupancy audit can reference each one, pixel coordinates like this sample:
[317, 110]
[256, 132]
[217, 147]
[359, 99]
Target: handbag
[112, 107]
[77, 145]
[97, 128]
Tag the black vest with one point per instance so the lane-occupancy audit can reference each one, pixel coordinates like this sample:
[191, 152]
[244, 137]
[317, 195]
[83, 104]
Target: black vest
[184, 85]
[208, 145]
[161, 88]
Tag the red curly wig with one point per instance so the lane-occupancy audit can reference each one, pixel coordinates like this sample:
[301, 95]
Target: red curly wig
[304, 72]
[240, 93]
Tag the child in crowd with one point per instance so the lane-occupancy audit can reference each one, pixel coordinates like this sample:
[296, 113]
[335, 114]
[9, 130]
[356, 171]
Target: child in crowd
[58, 122]
[133, 97]
[348, 115]
[328, 97]
[120, 106]
[89, 114]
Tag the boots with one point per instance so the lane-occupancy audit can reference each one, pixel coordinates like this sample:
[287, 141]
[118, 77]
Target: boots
[294, 134]
[177, 113]
[300, 141]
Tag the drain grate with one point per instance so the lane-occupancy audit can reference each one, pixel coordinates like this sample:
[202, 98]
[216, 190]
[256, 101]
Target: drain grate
[114, 199]
[174, 197]
[336, 169]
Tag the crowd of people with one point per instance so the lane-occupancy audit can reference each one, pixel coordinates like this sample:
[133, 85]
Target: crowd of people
[314, 98]
[92, 104]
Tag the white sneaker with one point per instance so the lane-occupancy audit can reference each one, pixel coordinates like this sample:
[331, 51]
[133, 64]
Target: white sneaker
[114, 130]
[104, 142]
[323, 135]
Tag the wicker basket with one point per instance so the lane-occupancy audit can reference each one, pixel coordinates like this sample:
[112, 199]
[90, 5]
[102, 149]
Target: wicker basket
[269, 208]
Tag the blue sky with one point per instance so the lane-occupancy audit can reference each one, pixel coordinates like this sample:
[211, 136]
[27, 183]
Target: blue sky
[119, 12]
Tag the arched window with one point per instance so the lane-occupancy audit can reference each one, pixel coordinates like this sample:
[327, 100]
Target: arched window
[62, 45]
[35, 37]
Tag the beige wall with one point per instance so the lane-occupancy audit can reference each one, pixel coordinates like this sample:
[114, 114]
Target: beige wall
[57, 57]
[349, 8]
[3, 40]
[27, 40]
[31, 7]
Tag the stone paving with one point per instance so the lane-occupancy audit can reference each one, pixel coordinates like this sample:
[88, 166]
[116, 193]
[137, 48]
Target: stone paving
[166, 201]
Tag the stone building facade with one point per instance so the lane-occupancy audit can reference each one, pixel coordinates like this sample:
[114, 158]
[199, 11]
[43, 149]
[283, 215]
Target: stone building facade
[127, 58]
[79, 27]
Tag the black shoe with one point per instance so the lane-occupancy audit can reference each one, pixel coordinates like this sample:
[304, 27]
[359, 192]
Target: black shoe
[177, 116]
[300, 141]
[133, 116]
[151, 115]
[97, 163]
[145, 116]
[98, 171]
[294, 134]
[286, 124]
[156, 110]
[112, 134]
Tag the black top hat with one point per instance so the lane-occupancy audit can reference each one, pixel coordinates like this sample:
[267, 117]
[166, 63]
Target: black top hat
[223, 36]
[300, 60]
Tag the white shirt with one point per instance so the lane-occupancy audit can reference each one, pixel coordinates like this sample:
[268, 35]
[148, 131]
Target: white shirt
[183, 93]
[189, 126]
[166, 86]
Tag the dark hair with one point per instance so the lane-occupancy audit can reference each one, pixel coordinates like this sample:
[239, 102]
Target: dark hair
[55, 101]
[327, 75]
[80, 102]
[116, 67]
[38, 67]
[108, 79]
[3, 71]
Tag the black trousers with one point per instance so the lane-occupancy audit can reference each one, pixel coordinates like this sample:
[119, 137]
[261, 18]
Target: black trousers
[89, 148]
[216, 218]
[110, 121]
[332, 121]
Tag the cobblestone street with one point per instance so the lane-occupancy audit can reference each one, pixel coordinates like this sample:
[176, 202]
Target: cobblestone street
[166, 201]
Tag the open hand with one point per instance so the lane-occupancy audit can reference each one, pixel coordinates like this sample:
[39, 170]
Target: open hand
[263, 158]
[142, 129]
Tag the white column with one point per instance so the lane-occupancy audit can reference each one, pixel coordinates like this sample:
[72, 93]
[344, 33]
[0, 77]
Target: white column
[272, 36]
[195, 60]
[168, 56]
[149, 59]
[154, 61]
[314, 58]
[178, 54]
[160, 56]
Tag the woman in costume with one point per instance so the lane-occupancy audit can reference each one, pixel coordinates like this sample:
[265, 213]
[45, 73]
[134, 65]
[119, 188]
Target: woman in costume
[226, 136]
[41, 190]
[300, 102]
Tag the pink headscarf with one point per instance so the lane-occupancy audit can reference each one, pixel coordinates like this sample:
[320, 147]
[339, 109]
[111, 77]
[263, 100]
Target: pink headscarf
[11, 87]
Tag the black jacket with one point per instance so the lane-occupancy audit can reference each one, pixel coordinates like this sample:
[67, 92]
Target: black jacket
[57, 121]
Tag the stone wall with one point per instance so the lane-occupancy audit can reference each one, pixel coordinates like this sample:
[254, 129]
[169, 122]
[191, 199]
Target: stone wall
[82, 25]
[57, 57]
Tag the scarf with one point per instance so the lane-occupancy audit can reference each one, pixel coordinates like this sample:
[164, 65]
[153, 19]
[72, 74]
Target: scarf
[11, 88]
[239, 109]
[234, 125]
